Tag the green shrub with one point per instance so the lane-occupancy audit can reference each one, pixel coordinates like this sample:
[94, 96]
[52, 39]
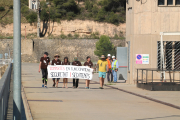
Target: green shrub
[63, 36]
[69, 35]
[2, 8]
[104, 46]
[76, 35]
[11, 7]
[32, 17]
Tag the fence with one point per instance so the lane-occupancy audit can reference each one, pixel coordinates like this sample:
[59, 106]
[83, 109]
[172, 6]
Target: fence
[4, 61]
[4, 91]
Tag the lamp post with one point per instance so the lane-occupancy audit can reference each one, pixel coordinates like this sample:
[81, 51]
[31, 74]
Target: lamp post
[17, 60]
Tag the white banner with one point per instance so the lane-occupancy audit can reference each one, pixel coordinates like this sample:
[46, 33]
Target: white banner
[69, 71]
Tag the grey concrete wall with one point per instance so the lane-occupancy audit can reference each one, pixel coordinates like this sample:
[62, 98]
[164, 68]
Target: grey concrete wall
[32, 50]
[144, 23]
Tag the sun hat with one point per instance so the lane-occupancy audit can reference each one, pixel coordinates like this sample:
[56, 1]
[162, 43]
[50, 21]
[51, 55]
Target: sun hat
[109, 55]
[56, 55]
[102, 56]
[113, 56]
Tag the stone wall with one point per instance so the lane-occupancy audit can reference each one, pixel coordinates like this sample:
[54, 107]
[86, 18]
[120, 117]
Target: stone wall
[32, 50]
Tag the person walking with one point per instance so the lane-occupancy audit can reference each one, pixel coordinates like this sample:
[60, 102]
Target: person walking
[76, 80]
[65, 80]
[44, 62]
[90, 65]
[56, 61]
[102, 70]
[114, 68]
[109, 72]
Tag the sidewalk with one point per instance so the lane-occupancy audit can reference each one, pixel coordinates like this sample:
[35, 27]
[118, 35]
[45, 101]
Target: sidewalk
[88, 104]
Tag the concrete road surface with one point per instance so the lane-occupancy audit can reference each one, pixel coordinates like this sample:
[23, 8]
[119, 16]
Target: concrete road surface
[87, 104]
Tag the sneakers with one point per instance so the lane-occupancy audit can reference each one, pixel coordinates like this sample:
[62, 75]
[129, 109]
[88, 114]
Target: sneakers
[42, 85]
[87, 88]
[101, 88]
[45, 86]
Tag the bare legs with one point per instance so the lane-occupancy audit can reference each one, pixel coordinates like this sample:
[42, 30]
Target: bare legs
[57, 83]
[65, 81]
[87, 83]
[101, 82]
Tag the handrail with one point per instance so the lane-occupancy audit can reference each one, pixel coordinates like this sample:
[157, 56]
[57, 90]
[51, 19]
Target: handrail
[4, 91]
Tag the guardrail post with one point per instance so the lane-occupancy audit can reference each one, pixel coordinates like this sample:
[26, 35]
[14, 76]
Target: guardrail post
[17, 60]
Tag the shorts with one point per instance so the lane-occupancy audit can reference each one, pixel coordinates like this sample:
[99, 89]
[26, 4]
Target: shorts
[102, 74]
[56, 78]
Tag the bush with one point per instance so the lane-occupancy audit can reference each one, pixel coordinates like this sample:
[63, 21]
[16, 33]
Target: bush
[76, 35]
[69, 35]
[63, 36]
[2, 9]
[32, 17]
[104, 46]
[101, 15]
[11, 7]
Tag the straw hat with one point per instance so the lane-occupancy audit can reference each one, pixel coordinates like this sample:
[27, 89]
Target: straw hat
[56, 55]
[102, 56]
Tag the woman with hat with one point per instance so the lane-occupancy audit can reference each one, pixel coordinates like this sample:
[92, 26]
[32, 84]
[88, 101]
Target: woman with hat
[102, 70]
[65, 80]
[56, 61]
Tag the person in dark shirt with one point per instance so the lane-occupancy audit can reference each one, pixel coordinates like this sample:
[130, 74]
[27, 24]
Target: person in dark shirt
[44, 62]
[89, 64]
[76, 80]
[56, 61]
[65, 80]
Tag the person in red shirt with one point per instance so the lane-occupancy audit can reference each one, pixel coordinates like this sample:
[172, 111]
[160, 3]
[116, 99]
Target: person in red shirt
[65, 80]
[109, 72]
[56, 61]
[89, 64]
[44, 62]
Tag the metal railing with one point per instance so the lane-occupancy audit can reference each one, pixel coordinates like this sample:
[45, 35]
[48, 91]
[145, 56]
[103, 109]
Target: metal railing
[4, 91]
[4, 62]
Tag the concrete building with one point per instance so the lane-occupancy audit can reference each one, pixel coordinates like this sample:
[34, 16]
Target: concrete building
[33, 4]
[146, 21]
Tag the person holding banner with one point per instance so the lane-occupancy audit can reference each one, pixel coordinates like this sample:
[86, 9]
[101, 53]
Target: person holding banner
[102, 70]
[56, 61]
[44, 62]
[76, 80]
[89, 64]
[65, 80]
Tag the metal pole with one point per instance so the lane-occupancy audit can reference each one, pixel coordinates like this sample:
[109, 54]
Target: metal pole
[38, 18]
[17, 60]
[162, 57]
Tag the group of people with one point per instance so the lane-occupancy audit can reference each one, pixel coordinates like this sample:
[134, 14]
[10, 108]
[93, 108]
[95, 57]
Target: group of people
[105, 65]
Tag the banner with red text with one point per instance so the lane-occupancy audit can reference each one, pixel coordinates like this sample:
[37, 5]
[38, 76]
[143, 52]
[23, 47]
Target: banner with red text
[69, 71]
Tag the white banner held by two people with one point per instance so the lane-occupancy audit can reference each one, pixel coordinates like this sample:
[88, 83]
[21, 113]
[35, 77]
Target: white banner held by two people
[69, 71]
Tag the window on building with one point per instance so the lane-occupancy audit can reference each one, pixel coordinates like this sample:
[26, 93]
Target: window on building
[171, 54]
[161, 2]
[169, 2]
[177, 2]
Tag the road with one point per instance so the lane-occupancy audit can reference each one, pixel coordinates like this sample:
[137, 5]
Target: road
[87, 104]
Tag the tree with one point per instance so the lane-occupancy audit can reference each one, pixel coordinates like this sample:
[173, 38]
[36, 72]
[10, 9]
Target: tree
[104, 46]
